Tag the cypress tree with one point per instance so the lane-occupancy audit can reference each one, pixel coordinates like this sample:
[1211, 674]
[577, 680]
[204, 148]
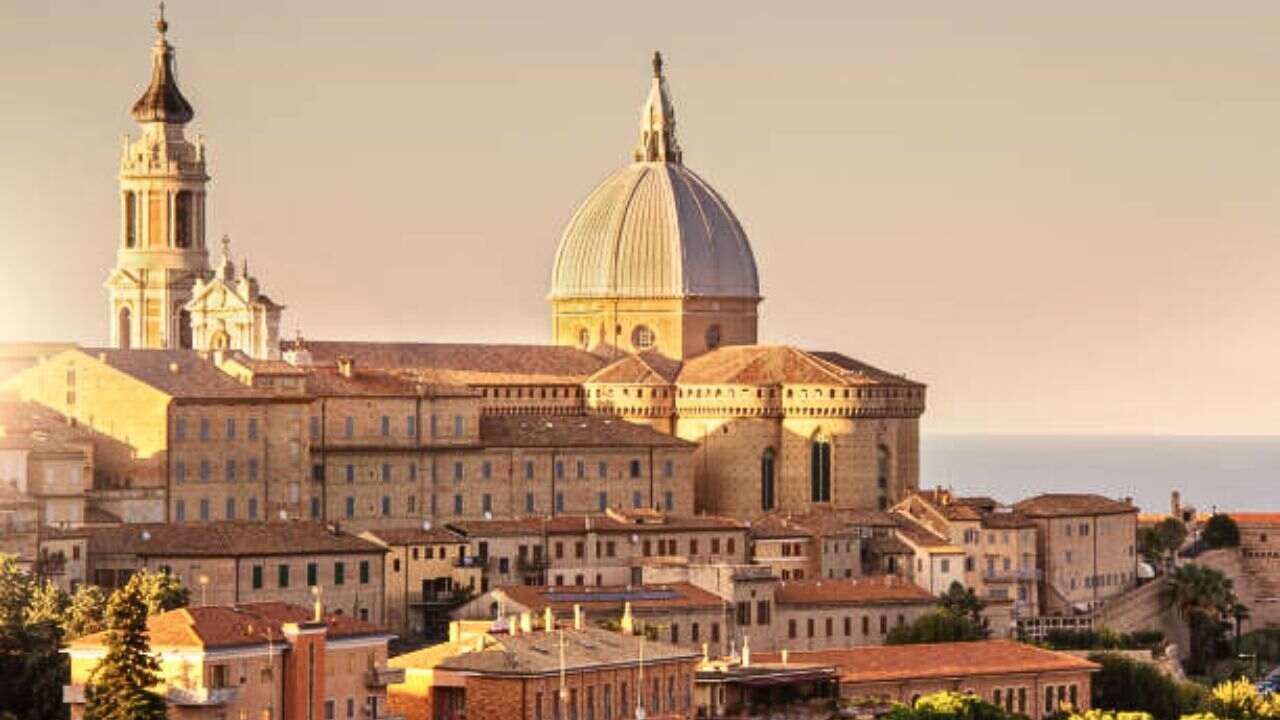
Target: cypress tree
[121, 686]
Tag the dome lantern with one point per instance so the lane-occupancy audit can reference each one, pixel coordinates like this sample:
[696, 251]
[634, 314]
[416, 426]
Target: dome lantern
[162, 101]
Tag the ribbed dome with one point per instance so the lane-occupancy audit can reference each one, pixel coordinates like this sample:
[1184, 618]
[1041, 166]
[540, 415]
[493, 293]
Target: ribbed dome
[162, 101]
[654, 230]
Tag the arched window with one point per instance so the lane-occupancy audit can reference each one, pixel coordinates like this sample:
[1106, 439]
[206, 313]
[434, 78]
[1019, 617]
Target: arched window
[220, 340]
[124, 329]
[882, 470]
[130, 219]
[182, 219]
[642, 337]
[820, 469]
[184, 329]
[768, 495]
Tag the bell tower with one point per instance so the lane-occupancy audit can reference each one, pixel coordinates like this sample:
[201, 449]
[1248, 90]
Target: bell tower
[161, 252]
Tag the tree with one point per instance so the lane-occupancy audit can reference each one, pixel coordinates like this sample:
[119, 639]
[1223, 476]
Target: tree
[938, 625]
[1122, 684]
[963, 602]
[1156, 543]
[86, 614]
[1203, 597]
[161, 592]
[948, 706]
[1220, 531]
[120, 688]
[44, 667]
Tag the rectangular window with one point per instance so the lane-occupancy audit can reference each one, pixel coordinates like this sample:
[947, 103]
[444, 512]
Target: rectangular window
[351, 473]
[204, 428]
[204, 471]
[457, 426]
[364, 572]
[635, 468]
[386, 506]
[486, 469]
[204, 509]
[231, 471]
[866, 625]
[413, 472]
[830, 628]
[528, 470]
[350, 509]
[668, 501]
[315, 427]
[668, 468]
[603, 470]
[313, 574]
[253, 470]
[764, 614]
[744, 613]
[486, 503]
[253, 428]
[317, 473]
[180, 429]
[582, 469]
[386, 472]
[636, 500]
[231, 428]
[179, 510]
[559, 502]
[253, 508]
[349, 426]
[411, 426]
[528, 502]
[457, 471]
[339, 573]
[180, 472]
[282, 576]
[457, 504]
[559, 469]
[257, 577]
[413, 504]
[604, 501]
[386, 425]
[231, 508]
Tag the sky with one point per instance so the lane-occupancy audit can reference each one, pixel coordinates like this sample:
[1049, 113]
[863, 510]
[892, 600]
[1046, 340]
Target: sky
[1063, 219]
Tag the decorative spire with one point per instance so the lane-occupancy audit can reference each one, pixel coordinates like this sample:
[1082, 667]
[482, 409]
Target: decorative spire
[162, 101]
[658, 122]
[227, 268]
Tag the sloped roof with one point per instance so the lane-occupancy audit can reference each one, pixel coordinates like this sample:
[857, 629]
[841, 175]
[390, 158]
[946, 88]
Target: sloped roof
[177, 373]
[33, 426]
[921, 536]
[243, 625]
[225, 539]
[601, 523]
[1068, 504]
[605, 599]
[647, 368]
[539, 653]
[882, 663]
[416, 535]
[571, 431]
[778, 364]
[467, 363]
[872, 590]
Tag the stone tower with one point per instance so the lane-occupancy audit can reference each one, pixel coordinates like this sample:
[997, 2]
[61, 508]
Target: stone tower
[162, 207]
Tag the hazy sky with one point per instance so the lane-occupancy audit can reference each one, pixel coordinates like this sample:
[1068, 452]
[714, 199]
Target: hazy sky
[1063, 219]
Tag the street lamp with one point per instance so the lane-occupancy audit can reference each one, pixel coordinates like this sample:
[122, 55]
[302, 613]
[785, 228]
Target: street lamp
[204, 584]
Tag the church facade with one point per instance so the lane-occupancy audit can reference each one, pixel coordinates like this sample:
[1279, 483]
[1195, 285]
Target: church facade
[654, 322]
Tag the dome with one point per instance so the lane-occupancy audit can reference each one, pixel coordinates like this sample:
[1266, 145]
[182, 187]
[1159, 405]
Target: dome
[654, 229]
[162, 101]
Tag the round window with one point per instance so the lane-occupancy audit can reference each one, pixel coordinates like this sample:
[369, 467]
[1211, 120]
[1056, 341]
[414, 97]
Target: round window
[642, 338]
[713, 337]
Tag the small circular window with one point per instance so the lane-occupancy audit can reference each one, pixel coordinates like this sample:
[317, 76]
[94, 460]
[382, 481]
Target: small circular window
[713, 337]
[642, 338]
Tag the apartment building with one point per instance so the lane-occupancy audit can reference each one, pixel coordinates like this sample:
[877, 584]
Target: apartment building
[821, 542]
[821, 614]
[1085, 549]
[427, 571]
[227, 563]
[256, 660]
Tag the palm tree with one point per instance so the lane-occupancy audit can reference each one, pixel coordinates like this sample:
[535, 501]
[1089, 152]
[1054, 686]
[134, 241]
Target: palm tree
[1203, 597]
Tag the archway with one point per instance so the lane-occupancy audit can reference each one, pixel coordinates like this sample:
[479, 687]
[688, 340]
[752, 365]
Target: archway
[184, 329]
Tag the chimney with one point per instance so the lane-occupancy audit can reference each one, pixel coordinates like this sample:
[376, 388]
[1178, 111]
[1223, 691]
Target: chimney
[746, 651]
[1175, 504]
[628, 623]
[548, 619]
[526, 622]
[706, 652]
[346, 366]
[577, 616]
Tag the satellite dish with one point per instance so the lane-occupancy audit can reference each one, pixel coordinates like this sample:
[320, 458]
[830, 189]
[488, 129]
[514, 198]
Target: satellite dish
[426, 524]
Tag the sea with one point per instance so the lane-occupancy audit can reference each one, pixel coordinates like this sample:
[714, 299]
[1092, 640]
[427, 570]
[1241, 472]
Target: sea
[1212, 472]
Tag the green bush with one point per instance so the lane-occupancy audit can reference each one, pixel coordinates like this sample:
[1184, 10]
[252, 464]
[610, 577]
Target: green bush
[1133, 686]
[1103, 639]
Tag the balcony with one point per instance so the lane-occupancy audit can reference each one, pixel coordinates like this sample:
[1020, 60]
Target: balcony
[382, 677]
[188, 697]
[471, 561]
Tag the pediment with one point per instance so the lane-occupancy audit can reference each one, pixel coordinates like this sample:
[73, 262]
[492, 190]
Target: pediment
[217, 296]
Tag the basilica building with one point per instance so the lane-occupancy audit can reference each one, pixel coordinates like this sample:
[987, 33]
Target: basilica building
[654, 303]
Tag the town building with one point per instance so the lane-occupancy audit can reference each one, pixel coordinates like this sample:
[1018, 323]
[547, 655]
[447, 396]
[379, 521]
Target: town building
[256, 660]
[742, 686]
[1085, 549]
[427, 572]
[227, 563]
[546, 672]
[818, 614]
[1023, 679]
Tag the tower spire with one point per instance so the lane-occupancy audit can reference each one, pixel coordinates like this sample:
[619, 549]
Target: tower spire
[162, 101]
[658, 122]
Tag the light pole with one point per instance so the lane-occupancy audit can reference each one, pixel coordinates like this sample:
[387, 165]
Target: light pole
[204, 585]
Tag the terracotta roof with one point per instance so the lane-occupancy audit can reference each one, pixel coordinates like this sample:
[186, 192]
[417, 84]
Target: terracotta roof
[647, 368]
[539, 652]
[32, 426]
[224, 539]
[571, 431]
[328, 382]
[264, 367]
[887, 545]
[453, 363]
[872, 590]
[1003, 519]
[605, 599]
[777, 364]
[177, 373]
[882, 663]
[1068, 504]
[1255, 518]
[415, 536]
[227, 626]
[919, 535]
[817, 521]
[601, 523]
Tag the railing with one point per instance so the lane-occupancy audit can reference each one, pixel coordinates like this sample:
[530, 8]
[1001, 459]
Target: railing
[382, 677]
